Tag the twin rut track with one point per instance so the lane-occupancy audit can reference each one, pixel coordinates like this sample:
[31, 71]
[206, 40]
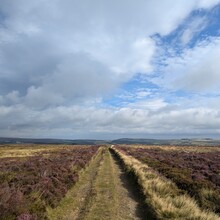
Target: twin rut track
[103, 192]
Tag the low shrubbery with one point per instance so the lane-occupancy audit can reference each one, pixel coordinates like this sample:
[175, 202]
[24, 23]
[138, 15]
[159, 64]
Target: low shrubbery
[166, 200]
[29, 184]
[196, 172]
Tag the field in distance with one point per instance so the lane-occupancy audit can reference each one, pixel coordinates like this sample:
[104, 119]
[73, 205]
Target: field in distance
[109, 182]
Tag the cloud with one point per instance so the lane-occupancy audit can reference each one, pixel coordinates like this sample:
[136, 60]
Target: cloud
[76, 78]
[195, 70]
[207, 4]
[192, 29]
[59, 59]
[155, 117]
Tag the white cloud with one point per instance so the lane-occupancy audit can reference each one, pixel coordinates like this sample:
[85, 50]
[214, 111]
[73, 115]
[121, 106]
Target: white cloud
[149, 104]
[196, 69]
[194, 27]
[207, 4]
[58, 57]
[154, 117]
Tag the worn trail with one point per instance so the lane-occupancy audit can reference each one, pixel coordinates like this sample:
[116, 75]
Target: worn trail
[102, 192]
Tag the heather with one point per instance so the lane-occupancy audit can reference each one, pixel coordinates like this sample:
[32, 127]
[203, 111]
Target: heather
[30, 184]
[196, 172]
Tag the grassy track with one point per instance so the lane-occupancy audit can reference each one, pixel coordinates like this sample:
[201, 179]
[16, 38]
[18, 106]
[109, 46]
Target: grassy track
[101, 193]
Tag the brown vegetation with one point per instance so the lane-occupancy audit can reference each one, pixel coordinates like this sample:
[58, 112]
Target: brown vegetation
[166, 200]
[99, 194]
[29, 184]
[197, 173]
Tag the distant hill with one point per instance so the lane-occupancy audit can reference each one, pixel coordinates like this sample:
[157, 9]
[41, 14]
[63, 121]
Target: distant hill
[51, 141]
[140, 141]
[30, 141]
[185, 141]
[128, 141]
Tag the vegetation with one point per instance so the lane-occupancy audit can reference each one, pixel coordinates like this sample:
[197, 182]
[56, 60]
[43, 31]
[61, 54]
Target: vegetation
[77, 200]
[28, 184]
[99, 194]
[166, 200]
[196, 172]
[89, 182]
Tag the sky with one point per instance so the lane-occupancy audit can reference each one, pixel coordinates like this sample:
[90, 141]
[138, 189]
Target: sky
[109, 69]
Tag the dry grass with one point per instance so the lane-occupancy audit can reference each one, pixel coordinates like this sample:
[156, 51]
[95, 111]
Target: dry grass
[162, 195]
[25, 150]
[28, 150]
[196, 149]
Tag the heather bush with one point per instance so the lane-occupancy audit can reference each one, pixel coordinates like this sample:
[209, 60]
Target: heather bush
[197, 173]
[29, 184]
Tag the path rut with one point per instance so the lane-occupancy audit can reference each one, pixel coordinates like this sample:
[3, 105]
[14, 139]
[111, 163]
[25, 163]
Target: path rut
[103, 191]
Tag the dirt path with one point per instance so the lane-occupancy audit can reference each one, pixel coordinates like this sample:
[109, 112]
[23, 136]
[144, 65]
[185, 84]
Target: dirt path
[102, 192]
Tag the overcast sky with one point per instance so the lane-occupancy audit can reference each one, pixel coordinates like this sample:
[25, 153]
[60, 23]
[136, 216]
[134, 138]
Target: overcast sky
[107, 69]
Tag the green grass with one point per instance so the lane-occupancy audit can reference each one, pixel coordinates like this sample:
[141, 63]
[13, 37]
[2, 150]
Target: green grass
[104, 204]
